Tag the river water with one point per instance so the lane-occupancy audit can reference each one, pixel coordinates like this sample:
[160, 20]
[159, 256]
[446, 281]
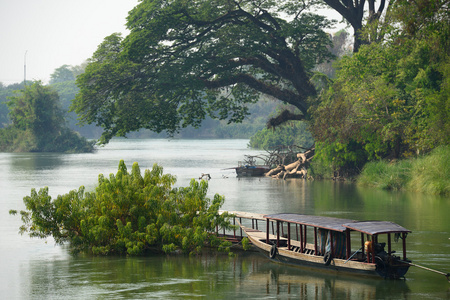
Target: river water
[37, 269]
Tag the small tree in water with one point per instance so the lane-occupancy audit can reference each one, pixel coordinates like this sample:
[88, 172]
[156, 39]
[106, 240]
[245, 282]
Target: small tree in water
[38, 124]
[128, 214]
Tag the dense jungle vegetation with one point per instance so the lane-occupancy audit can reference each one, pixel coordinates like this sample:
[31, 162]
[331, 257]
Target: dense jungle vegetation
[390, 100]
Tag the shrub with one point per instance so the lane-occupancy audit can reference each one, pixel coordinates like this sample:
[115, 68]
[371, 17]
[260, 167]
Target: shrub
[128, 214]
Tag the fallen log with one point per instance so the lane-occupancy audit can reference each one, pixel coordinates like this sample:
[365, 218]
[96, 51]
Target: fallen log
[301, 157]
[292, 166]
[280, 174]
[275, 171]
[294, 169]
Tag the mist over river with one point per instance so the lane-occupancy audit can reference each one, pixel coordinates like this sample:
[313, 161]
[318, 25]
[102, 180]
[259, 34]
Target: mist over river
[38, 269]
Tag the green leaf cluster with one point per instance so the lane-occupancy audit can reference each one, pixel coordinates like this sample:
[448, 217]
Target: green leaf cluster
[293, 133]
[129, 214]
[391, 98]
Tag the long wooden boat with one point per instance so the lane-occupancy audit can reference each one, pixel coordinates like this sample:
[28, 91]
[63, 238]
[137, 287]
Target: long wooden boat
[326, 243]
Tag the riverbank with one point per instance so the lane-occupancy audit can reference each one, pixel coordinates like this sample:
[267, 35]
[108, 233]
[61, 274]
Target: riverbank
[428, 174]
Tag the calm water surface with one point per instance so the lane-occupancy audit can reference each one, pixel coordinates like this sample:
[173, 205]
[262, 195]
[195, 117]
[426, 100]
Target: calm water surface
[37, 269]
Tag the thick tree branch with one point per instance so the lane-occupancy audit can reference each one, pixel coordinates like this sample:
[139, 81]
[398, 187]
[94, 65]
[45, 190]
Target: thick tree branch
[263, 87]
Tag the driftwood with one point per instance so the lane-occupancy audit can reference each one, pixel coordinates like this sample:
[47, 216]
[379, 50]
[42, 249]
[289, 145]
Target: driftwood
[295, 169]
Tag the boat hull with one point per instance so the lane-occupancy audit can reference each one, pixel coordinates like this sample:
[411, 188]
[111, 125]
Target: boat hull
[251, 171]
[285, 256]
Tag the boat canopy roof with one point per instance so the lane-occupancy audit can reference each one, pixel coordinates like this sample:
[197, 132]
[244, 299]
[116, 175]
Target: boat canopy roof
[376, 227]
[329, 223]
[338, 224]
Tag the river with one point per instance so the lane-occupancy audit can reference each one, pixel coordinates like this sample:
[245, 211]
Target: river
[37, 269]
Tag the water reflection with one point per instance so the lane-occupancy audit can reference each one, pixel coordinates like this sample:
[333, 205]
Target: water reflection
[212, 276]
[34, 270]
[31, 162]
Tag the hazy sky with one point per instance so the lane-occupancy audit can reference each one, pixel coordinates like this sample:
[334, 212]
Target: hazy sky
[47, 34]
[53, 33]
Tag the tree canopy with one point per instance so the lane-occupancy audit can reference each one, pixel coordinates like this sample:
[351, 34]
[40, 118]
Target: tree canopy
[184, 60]
[38, 124]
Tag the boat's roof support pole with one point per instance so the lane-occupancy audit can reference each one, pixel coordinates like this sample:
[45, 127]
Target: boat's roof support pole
[404, 245]
[362, 243]
[278, 233]
[315, 241]
[240, 222]
[267, 231]
[374, 238]
[289, 235]
[234, 228]
[301, 238]
[305, 237]
[389, 244]
[331, 243]
[348, 243]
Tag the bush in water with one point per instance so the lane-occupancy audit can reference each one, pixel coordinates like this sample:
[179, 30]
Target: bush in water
[128, 214]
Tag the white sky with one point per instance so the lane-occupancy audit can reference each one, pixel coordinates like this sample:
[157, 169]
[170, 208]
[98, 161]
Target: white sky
[54, 33]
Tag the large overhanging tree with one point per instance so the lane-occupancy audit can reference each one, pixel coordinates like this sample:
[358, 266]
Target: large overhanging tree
[186, 59]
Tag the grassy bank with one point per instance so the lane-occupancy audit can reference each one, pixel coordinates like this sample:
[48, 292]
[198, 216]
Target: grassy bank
[427, 174]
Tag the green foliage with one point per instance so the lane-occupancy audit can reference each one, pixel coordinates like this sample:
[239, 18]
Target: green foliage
[385, 175]
[38, 124]
[185, 60]
[429, 174]
[128, 214]
[293, 133]
[5, 93]
[390, 100]
[337, 159]
[246, 244]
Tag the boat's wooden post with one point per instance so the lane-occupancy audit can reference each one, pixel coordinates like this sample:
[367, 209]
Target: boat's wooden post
[278, 233]
[289, 235]
[301, 238]
[362, 243]
[315, 240]
[373, 248]
[304, 237]
[282, 228]
[348, 243]
[389, 244]
[296, 230]
[273, 230]
[240, 221]
[267, 231]
[234, 228]
[256, 224]
[404, 245]
[332, 243]
[253, 223]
